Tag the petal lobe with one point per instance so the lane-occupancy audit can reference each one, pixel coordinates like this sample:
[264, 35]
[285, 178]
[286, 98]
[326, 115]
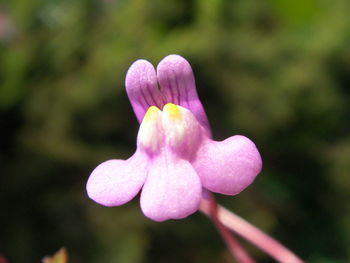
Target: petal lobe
[172, 189]
[228, 167]
[116, 182]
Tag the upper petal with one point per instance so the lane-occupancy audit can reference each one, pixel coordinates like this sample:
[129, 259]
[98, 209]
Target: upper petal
[172, 189]
[178, 86]
[116, 182]
[142, 87]
[228, 167]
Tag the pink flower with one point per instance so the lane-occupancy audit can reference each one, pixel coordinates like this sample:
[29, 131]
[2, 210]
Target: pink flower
[176, 160]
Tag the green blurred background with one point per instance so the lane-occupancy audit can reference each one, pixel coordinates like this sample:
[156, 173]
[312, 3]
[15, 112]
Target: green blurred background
[277, 71]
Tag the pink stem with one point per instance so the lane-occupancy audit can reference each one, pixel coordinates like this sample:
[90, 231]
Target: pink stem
[237, 251]
[252, 234]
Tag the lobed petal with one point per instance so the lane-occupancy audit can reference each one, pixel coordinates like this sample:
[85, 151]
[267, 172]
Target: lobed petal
[142, 87]
[172, 189]
[228, 167]
[177, 84]
[116, 182]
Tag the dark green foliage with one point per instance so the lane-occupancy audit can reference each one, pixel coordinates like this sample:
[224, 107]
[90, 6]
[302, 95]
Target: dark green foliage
[277, 71]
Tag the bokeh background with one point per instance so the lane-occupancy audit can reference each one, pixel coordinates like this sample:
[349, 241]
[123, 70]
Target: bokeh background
[277, 71]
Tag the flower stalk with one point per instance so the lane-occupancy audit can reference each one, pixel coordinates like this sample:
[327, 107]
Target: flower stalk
[249, 232]
[236, 250]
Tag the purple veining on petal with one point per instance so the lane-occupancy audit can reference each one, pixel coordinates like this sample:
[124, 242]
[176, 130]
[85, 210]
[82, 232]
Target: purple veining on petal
[175, 76]
[172, 189]
[178, 92]
[153, 98]
[142, 101]
[176, 85]
[146, 96]
[141, 82]
[229, 166]
[116, 182]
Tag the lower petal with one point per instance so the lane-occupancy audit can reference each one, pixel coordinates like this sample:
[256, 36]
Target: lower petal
[228, 167]
[172, 189]
[116, 182]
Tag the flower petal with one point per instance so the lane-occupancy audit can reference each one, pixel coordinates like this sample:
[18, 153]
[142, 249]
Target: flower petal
[116, 182]
[177, 84]
[228, 167]
[183, 133]
[142, 87]
[172, 189]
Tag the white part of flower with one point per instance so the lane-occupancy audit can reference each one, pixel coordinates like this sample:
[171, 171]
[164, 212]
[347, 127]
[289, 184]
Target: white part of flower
[181, 129]
[174, 127]
[150, 133]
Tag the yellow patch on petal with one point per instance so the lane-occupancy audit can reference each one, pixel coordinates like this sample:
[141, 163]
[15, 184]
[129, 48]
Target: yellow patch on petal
[149, 132]
[172, 111]
[151, 114]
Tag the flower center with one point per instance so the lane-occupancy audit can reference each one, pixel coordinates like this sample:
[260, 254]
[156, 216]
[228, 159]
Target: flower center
[172, 111]
[175, 127]
[151, 114]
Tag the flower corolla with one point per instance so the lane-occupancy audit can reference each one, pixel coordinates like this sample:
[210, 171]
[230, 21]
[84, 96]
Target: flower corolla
[176, 160]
